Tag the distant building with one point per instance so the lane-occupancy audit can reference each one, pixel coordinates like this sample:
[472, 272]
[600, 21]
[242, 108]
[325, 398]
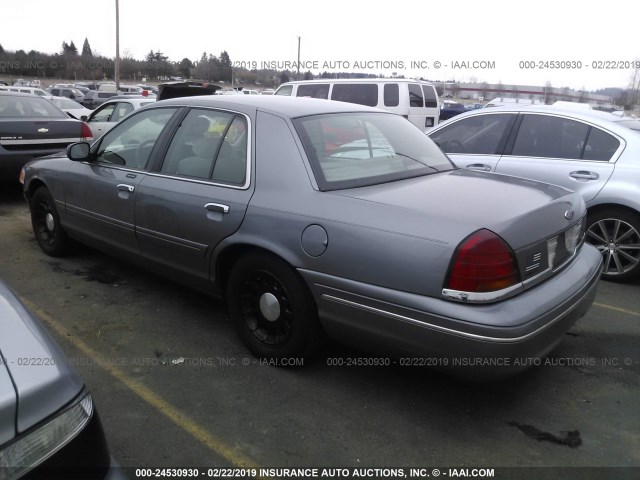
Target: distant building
[534, 94]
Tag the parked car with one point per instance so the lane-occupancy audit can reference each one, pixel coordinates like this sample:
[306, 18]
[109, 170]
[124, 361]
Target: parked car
[71, 107]
[103, 118]
[450, 109]
[267, 91]
[95, 98]
[69, 92]
[473, 106]
[30, 127]
[594, 153]
[49, 426]
[372, 236]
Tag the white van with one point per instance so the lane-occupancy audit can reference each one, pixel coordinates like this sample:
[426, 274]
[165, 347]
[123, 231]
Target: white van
[28, 90]
[415, 100]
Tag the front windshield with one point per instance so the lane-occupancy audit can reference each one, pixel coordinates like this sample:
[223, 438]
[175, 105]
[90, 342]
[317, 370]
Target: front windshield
[349, 150]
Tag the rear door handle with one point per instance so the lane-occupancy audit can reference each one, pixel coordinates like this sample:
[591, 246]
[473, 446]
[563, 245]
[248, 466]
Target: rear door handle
[123, 187]
[584, 175]
[479, 166]
[217, 207]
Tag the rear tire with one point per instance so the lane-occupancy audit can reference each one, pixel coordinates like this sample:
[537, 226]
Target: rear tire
[616, 233]
[272, 309]
[46, 224]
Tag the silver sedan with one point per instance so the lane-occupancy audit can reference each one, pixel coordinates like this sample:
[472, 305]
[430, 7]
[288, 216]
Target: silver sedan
[315, 217]
[594, 153]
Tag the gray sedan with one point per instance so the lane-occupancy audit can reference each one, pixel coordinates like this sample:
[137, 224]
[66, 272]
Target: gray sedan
[594, 153]
[315, 217]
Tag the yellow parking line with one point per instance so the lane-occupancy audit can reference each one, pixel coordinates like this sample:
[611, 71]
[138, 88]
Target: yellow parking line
[176, 416]
[617, 309]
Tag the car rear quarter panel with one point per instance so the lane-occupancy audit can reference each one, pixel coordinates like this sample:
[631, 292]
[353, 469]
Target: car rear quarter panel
[362, 243]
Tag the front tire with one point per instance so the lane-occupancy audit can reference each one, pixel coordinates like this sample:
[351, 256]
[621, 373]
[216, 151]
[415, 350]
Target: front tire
[272, 309]
[46, 224]
[616, 233]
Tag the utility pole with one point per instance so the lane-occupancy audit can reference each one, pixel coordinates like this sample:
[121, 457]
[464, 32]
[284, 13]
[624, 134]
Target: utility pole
[298, 75]
[117, 72]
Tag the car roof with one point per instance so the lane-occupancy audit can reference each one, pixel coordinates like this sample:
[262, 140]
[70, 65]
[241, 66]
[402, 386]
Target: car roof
[291, 107]
[604, 119]
[358, 80]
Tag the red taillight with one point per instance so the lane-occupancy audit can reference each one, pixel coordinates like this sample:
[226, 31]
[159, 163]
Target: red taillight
[145, 93]
[483, 262]
[85, 133]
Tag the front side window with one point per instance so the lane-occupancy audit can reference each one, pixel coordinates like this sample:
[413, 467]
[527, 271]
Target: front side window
[313, 90]
[359, 149]
[285, 90]
[479, 135]
[550, 137]
[360, 93]
[209, 144]
[129, 143]
[103, 114]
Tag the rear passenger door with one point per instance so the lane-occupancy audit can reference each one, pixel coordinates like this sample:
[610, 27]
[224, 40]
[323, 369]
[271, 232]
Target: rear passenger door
[475, 142]
[562, 151]
[199, 193]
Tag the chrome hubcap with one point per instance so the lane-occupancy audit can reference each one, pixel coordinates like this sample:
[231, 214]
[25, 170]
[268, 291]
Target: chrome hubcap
[269, 307]
[49, 222]
[619, 244]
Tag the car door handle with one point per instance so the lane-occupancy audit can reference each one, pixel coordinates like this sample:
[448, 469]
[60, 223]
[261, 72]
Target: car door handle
[123, 187]
[479, 166]
[217, 207]
[584, 175]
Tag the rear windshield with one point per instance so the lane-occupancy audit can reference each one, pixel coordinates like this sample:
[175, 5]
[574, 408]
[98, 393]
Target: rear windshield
[28, 106]
[360, 149]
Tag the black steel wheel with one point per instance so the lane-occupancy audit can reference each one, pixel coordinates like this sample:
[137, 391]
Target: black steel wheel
[616, 233]
[272, 309]
[46, 224]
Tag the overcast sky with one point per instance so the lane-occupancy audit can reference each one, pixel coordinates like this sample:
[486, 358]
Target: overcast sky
[502, 33]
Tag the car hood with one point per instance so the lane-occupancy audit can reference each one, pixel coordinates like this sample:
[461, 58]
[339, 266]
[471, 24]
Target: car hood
[35, 378]
[448, 206]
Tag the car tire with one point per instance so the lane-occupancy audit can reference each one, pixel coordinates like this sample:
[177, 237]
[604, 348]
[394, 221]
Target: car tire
[46, 224]
[616, 233]
[272, 309]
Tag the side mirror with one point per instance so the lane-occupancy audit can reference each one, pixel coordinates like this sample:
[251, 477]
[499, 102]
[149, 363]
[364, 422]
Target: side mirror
[84, 118]
[78, 152]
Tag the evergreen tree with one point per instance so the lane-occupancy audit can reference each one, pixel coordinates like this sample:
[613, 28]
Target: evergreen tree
[73, 50]
[86, 49]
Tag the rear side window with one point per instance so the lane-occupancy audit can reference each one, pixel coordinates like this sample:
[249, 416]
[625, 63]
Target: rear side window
[550, 137]
[313, 91]
[360, 93]
[482, 134]
[430, 96]
[391, 95]
[209, 144]
[415, 96]
[600, 145]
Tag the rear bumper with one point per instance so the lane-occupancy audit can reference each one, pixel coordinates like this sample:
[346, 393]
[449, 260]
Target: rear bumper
[496, 339]
[11, 163]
